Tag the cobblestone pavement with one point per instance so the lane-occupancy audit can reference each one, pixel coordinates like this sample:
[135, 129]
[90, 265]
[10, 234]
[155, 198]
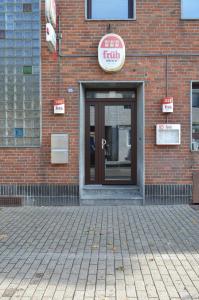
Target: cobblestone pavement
[102, 253]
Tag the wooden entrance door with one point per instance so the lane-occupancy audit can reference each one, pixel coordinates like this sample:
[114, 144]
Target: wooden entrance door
[110, 141]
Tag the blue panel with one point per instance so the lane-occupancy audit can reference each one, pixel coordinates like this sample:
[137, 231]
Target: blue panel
[10, 34]
[18, 34]
[18, 132]
[35, 43]
[28, 60]
[10, 8]
[2, 17]
[11, 61]
[35, 7]
[35, 34]
[10, 52]
[36, 51]
[2, 25]
[35, 17]
[28, 43]
[19, 8]
[190, 9]
[27, 34]
[9, 43]
[2, 43]
[35, 26]
[111, 9]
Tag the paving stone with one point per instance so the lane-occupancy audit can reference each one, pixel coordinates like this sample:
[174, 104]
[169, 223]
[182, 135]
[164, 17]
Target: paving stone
[130, 291]
[151, 291]
[99, 253]
[142, 295]
[58, 295]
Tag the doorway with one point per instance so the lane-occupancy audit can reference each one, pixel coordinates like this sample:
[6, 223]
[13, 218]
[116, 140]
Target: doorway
[110, 137]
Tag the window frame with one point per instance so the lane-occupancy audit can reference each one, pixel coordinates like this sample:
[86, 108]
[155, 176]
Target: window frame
[191, 113]
[24, 146]
[186, 18]
[131, 7]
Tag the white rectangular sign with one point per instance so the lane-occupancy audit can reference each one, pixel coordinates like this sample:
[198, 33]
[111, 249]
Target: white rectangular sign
[50, 12]
[168, 134]
[51, 38]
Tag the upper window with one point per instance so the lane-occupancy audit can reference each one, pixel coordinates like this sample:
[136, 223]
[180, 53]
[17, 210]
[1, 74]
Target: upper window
[190, 9]
[110, 10]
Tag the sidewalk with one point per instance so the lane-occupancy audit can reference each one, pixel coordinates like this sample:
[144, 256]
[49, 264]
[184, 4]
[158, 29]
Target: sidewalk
[100, 253]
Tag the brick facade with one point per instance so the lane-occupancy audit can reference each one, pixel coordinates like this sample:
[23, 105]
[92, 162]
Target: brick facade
[157, 31]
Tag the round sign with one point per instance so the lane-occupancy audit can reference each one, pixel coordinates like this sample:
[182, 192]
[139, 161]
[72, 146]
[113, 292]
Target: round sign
[111, 52]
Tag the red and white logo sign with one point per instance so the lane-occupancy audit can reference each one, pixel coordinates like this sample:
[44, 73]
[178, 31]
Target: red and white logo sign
[167, 105]
[111, 52]
[59, 106]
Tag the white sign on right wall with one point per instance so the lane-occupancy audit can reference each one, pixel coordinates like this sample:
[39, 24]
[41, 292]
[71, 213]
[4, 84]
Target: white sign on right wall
[168, 134]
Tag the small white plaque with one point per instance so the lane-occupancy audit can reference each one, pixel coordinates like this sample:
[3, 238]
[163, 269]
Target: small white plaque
[167, 105]
[59, 106]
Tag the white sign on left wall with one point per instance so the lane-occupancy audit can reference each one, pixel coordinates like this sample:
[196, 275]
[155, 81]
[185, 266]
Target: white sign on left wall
[50, 12]
[51, 38]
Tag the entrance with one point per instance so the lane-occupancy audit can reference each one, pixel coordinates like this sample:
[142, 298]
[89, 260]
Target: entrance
[110, 138]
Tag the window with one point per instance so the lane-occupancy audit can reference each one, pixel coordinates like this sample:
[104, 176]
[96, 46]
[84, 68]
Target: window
[2, 34]
[27, 7]
[117, 94]
[19, 74]
[111, 9]
[195, 118]
[190, 9]
[27, 70]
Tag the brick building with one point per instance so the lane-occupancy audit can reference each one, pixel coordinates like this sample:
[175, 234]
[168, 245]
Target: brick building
[110, 120]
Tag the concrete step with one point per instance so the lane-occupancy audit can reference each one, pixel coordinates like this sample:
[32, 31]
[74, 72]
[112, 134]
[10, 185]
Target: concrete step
[111, 202]
[110, 195]
[110, 192]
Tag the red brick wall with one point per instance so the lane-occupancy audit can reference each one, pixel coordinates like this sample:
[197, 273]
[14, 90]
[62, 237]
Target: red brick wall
[157, 30]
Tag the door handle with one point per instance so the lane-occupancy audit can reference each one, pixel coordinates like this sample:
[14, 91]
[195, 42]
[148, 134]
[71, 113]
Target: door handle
[103, 143]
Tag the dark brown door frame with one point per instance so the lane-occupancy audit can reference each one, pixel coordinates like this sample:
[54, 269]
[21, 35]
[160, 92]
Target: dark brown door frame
[100, 133]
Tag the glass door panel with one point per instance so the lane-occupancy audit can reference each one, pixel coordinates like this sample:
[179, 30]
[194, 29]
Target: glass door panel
[92, 142]
[117, 142]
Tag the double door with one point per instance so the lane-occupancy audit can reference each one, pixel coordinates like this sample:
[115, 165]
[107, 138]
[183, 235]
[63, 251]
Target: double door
[110, 141]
